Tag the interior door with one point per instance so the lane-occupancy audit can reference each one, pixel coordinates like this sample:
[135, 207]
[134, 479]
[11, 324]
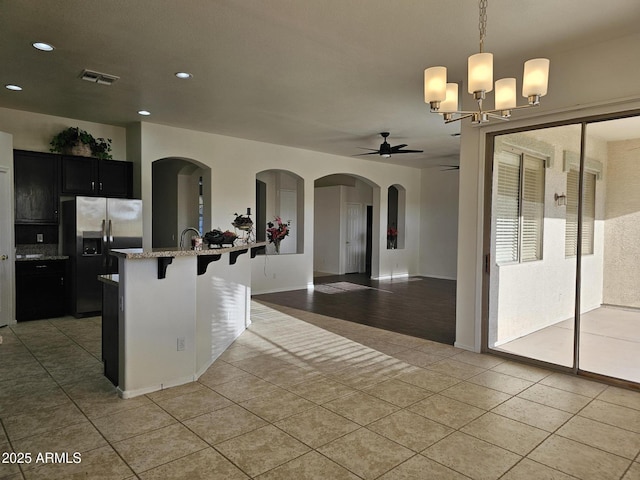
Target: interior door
[6, 257]
[354, 239]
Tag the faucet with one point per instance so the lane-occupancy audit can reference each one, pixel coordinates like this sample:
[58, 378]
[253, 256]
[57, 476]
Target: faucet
[185, 231]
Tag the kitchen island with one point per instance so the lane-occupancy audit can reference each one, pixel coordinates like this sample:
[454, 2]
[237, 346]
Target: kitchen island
[177, 311]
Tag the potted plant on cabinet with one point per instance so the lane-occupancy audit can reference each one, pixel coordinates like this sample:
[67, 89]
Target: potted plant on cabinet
[74, 141]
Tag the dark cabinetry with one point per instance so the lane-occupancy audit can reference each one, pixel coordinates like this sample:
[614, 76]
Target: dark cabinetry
[110, 332]
[36, 180]
[40, 289]
[93, 176]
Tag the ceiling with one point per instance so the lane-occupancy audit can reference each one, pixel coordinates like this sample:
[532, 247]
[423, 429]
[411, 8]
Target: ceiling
[323, 75]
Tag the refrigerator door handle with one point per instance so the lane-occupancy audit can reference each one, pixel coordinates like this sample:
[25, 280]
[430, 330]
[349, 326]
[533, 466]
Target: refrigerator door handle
[104, 232]
[110, 233]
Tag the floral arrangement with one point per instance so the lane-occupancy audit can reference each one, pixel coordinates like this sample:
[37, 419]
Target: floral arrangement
[392, 237]
[276, 231]
[218, 237]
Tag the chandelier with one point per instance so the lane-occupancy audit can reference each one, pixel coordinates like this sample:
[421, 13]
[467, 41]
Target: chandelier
[443, 97]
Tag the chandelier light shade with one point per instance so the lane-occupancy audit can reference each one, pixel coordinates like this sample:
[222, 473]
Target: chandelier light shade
[480, 72]
[442, 97]
[505, 94]
[435, 84]
[450, 103]
[535, 78]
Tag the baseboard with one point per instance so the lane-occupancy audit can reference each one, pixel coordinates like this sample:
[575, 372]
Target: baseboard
[464, 347]
[154, 388]
[391, 277]
[439, 277]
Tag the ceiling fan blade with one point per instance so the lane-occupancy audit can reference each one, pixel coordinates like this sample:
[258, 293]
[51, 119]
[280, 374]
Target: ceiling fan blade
[375, 152]
[408, 151]
[449, 167]
[398, 147]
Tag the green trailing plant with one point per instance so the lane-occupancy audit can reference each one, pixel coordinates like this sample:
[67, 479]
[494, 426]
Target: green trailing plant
[72, 136]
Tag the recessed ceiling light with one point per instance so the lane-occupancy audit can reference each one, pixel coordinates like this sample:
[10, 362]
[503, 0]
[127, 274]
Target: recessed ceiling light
[144, 112]
[45, 47]
[15, 88]
[183, 75]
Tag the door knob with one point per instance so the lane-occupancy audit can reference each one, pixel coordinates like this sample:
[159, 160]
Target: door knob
[3, 257]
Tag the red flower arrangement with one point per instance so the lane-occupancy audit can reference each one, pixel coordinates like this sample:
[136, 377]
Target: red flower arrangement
[276, 232]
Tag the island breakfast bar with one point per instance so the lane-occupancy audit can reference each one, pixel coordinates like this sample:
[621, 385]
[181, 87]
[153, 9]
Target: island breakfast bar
[175, 312]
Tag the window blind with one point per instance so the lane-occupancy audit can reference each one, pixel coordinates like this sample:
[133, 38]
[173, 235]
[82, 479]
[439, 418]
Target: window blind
[532, 208]
[507, 208]
[588, 214]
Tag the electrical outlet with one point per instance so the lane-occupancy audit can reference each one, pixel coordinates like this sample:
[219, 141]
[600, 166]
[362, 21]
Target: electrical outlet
[180, 344]
[39, 237]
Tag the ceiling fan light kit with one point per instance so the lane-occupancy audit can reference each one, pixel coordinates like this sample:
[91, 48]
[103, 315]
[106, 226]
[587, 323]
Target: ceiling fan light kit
[442, 97]
[386, 150]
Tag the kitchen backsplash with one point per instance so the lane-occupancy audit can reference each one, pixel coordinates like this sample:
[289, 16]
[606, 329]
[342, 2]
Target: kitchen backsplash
[47, 249]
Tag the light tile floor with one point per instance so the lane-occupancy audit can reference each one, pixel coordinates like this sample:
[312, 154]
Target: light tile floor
[609, 343]
[301, 396]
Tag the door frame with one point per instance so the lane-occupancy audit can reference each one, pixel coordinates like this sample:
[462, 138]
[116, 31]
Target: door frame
[486, 247]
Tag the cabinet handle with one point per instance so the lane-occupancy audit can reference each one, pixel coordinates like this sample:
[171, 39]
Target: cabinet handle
[93, 186]
[100, 186]
[41, 266]
[62, 281]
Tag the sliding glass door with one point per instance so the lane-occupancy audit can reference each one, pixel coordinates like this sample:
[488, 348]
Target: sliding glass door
[532, 282]
[564, 258]
[610, 283]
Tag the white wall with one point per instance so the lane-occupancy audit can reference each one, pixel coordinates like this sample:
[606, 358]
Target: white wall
[34, 131]
[596, 79]
[234, 163]
[622, 226]
[439, 223]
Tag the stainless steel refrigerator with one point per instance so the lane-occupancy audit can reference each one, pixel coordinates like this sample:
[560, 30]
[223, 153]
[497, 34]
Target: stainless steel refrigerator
[91, 227]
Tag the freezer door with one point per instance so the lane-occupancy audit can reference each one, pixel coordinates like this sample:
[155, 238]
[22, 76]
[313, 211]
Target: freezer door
[124, 223]
[91, 215]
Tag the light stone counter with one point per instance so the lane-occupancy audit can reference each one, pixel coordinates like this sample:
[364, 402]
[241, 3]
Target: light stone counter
[138, 253]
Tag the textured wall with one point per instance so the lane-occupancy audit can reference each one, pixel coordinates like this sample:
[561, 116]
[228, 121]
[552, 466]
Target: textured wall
[622, 230]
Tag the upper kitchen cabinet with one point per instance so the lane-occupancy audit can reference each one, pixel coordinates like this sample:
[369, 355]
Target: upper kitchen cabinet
[36, 180]
[93, 176]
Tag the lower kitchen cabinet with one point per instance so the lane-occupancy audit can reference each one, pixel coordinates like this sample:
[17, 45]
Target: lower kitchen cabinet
[41, 290]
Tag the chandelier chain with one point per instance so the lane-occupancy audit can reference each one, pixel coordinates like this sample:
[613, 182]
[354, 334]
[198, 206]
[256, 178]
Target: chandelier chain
[482, 23]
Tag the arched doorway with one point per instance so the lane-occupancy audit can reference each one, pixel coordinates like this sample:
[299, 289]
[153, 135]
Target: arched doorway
[181, 198]
[344, 225]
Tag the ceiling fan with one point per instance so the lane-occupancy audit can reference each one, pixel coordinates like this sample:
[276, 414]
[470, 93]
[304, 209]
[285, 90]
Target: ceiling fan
[387, 150]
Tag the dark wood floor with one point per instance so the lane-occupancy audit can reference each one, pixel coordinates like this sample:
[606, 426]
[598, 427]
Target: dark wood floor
[417, 306]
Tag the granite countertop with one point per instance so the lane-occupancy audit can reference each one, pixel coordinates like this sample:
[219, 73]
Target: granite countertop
[38, 257]
[138, 253]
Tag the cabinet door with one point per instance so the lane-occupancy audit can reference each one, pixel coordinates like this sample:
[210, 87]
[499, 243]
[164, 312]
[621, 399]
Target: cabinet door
[80, 176]
[115, 178]
[40, 289]
[36, 187]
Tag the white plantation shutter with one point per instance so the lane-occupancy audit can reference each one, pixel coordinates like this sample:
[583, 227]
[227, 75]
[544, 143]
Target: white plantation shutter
[588, 214]
[532, 208]
[507, 208]
[519, 208]
[571, 222]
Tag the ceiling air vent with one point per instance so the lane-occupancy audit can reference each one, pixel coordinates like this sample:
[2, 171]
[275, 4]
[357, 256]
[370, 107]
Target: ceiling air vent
[97, 77]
